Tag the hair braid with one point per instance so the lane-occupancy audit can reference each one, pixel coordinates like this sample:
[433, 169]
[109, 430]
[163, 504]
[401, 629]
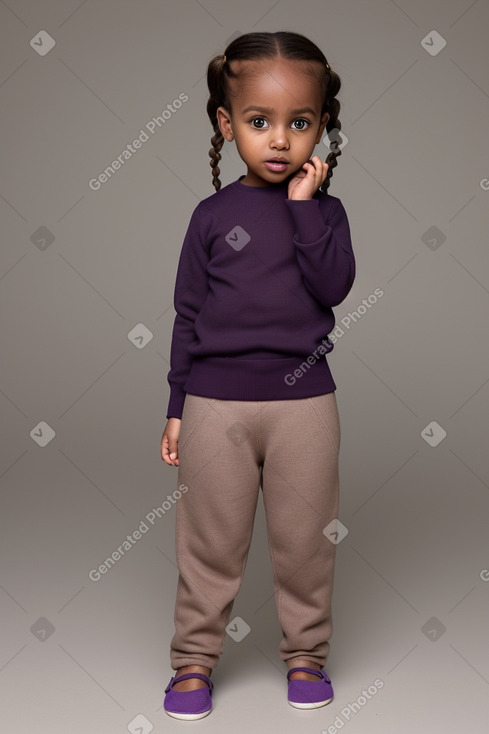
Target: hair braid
[216, 99]
[333, 107]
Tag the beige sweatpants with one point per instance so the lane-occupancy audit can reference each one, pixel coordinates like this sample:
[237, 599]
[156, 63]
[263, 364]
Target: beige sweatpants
[228, 450]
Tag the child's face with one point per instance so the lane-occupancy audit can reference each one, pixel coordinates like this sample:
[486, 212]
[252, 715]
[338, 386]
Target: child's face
[269, 119]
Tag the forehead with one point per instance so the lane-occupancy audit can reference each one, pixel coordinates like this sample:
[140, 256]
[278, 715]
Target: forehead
[279, 84]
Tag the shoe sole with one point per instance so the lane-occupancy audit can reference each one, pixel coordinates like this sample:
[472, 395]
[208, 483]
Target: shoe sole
[315, 705]
[188, 717]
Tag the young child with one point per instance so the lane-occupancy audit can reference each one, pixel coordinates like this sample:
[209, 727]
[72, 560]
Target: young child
[252, 399]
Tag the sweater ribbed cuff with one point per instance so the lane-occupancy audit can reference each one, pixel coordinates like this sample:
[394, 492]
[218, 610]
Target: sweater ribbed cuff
[175, 404]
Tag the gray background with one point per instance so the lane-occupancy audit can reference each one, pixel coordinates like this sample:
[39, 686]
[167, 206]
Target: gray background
[411, 590]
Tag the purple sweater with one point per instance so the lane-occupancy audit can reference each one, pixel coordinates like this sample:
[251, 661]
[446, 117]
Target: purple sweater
[257, 277]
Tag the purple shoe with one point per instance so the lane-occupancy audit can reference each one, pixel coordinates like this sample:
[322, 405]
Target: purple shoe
[309, 694]
[189, 704]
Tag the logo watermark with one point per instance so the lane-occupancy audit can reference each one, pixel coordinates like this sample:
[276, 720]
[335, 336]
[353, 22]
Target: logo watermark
[346, 712]
[332, 140]
[327, 344]
[131, 148]
[131, 540]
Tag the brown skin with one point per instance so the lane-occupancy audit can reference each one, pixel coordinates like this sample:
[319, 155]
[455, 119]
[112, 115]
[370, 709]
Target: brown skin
[192, 683]
[169, 442]
[280, 86]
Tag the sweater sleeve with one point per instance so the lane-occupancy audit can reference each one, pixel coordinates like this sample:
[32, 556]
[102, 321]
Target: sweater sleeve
[324, 250]
[191, 288]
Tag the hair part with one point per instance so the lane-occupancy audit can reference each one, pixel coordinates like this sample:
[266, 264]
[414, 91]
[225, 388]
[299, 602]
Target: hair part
[256, 47]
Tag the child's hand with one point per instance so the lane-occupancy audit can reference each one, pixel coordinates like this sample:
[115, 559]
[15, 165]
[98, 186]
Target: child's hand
[169, 442]
[304, 185]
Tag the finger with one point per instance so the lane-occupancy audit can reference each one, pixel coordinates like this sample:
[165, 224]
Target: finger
[171, 462]
[316, 163]
[309, 168]
[173, 451]
[165, 452]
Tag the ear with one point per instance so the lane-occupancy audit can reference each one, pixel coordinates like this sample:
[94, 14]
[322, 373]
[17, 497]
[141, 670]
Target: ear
[324, 120]
[225, 123]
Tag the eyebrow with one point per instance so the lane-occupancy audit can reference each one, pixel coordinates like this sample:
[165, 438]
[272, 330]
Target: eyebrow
[267, 110]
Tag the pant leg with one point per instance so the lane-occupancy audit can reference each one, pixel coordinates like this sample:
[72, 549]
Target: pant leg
[219, 464]
[301, 494]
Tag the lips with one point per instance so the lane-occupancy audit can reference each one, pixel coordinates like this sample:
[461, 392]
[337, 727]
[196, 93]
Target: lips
[277, 164]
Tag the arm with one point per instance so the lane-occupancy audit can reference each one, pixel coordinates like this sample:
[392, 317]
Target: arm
[191, 288]
[324, 250]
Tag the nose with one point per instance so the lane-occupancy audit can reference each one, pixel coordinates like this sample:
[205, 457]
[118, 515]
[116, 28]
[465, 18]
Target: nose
[279, 139]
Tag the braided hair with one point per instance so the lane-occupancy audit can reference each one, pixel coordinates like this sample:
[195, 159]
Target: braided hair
[257, 46]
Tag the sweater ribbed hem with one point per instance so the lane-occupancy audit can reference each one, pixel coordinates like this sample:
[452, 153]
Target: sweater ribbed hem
[234, 378]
